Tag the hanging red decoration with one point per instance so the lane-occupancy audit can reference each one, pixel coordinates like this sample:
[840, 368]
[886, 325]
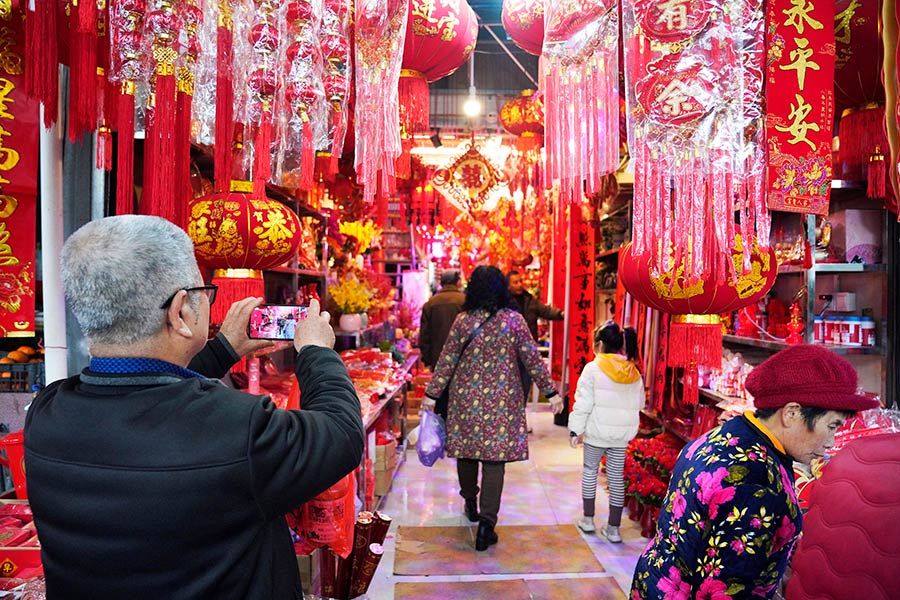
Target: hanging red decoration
[469, 181]
[240, 233]
[192, 14]
[523, 21]
[524, 118]
[440, 37]
[336, 80]
[264, 37]
[859, 54]
[581, 95]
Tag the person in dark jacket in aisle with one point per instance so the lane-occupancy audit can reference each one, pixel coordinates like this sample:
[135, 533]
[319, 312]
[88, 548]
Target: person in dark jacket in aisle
[438, 315]
[148, 480]
[530, 307]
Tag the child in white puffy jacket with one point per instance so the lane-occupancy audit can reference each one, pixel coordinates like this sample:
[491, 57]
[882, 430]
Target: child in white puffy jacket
[606, 415]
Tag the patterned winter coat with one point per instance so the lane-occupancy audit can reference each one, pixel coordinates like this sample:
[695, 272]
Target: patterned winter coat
[729, 522]
[486, 412]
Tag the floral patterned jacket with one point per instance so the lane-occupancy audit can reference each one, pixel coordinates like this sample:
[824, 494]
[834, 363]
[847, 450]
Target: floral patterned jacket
[729, 522]
[486, 412]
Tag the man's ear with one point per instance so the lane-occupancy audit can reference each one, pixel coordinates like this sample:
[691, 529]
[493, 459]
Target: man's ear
[177, 315]
[790, 414]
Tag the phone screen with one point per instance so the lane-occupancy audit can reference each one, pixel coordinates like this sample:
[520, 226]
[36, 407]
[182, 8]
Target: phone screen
[275, 321]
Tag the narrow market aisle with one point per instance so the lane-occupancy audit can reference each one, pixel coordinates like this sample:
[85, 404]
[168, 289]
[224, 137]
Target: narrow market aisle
[545, 490]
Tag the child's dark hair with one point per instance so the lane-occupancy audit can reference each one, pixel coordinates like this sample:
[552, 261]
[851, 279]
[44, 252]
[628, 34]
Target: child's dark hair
[611, 339]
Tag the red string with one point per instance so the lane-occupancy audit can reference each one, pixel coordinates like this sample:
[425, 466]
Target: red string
[125, 155]
[224, 109]
[159, 182]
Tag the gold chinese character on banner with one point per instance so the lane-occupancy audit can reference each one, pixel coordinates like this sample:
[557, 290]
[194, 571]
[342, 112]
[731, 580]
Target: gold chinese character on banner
[673, 13]
[9, 158]
[798, 16]
[6, 88]
[7, 259]
[842, 22]
[798, 127]
[801, 63]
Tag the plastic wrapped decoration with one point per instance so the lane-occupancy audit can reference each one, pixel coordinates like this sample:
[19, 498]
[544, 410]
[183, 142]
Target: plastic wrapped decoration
[328, 520]
[189, 47]
[126, 20]
[336, 78]
[523, 21]
[380, 30]
[694, 72]
[581, 99]
[162, 24]
[303, 92]
[263, 82]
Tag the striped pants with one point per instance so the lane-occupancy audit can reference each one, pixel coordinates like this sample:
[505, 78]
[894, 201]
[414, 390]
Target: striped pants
[615, 465]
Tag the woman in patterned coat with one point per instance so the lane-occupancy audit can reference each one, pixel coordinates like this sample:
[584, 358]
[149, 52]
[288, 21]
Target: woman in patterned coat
[486, 410]
[731, 516]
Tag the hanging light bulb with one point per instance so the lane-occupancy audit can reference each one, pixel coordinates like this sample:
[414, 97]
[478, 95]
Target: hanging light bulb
[472, 106]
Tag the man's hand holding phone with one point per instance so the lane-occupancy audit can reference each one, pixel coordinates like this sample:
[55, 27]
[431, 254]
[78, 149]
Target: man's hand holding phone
[315, 329]
[234, 327]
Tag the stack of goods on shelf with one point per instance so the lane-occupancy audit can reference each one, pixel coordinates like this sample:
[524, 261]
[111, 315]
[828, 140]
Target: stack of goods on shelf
[21, 369]
[416, 397]
[20, 550]
[385, 462]
[865, 424]
[648, 467]
[374, 374]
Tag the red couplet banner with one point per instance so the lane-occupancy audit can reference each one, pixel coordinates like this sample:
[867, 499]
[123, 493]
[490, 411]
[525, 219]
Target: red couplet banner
[800, 103]
[18, 186]
[580, 310]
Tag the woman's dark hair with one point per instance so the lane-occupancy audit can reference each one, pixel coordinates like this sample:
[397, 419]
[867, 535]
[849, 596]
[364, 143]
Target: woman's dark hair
[810, 414]
[488, 289]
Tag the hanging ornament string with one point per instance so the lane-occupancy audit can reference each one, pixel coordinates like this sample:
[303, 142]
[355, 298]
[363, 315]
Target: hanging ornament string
[162, 24]
[106, 94]
[380, 31]
[190, 52]
[264, 37]
[224, 131]
[336, 79]
[581, 75]
[694, 73]
[127, 68]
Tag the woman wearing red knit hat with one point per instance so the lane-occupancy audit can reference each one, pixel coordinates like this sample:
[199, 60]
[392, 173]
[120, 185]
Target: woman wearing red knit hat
[731, 516]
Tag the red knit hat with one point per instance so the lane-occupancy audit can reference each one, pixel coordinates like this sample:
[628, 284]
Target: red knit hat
[810, 376]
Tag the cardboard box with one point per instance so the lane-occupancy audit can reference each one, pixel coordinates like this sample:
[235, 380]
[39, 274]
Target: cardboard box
[383, 482]
[857, 233]
[386, 456]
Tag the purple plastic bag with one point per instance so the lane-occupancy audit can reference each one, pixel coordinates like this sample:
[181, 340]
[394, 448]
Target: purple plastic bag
[432, 437]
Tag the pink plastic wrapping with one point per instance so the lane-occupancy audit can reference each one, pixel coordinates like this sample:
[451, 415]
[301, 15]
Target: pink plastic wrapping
[581, 93]
[694, 79]
[380, 32]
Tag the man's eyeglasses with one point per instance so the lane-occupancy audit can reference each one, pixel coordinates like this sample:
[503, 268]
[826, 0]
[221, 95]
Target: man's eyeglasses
[209, 289]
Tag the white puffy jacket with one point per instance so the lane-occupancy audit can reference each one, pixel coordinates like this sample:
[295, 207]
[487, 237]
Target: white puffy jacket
[608, 402]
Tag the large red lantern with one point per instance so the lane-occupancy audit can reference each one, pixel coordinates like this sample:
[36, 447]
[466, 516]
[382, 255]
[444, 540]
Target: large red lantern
[524, 118]
[238, 234]
[858, 55]
[440, 37]
[524, 22]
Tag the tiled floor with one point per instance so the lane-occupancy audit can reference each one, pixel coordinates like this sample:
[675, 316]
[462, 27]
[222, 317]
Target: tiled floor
[544, 490]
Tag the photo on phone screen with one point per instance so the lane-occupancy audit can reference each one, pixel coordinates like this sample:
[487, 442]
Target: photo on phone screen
[275, 321]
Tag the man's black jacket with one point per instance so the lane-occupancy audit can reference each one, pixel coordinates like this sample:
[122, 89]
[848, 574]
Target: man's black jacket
[533, 309]
[156, 486]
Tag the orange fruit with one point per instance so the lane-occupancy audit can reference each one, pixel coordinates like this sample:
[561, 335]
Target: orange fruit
[6, 361]
[17, 356]
[27, 350]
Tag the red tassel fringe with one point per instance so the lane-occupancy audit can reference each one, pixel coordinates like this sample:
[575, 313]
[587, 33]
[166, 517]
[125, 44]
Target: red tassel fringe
[876, 177]
[860, 132]
[125, 155]
[82, 116]
[104, 149]
[262, 157]
[231, 290]
[224, 109]
[692, 344]
[42, 56]
[183, 193]
[415, 104]
[159, 181]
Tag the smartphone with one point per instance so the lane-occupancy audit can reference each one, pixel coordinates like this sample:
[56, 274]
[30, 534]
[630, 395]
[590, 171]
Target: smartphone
[275, 321]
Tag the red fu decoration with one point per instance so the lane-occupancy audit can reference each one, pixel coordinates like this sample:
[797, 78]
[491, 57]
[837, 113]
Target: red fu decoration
[469, 181]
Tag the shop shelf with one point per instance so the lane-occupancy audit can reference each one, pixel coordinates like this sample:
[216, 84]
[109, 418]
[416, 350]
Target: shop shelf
[299, 272]
[754, 342]
[776, 346]
[712, 394]
[847, 184]
[782, 269]
[849, 268]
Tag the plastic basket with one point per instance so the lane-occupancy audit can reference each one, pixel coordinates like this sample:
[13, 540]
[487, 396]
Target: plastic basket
[20, 377]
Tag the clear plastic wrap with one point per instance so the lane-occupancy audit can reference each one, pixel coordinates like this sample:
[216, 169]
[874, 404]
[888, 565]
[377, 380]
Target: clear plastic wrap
[204, 106]
[694, 72]
[581, 93]
[380, 32]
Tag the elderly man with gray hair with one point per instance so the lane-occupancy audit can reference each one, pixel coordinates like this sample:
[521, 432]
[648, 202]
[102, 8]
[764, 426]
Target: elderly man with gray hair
[146, 478]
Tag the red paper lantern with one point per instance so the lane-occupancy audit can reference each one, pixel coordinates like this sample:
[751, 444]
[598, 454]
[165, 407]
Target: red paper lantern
[696, 340]
[859, 54]
[238, 234]
[524, 22]
[439, 39]
[524, 118]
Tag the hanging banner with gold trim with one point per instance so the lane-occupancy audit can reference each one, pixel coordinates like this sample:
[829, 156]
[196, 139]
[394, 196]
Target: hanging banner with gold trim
[18, 185]
[800, 103]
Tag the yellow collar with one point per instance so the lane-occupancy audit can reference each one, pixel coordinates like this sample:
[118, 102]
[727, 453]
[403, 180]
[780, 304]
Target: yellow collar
[765, 431]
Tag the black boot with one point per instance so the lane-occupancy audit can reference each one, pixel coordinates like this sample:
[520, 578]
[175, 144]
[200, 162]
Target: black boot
[472, 510]
[486, 536]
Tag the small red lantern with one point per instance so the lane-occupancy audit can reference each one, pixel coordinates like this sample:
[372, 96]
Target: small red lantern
[524, 118]
[238, 234]
[524, 22]
[439, 39]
